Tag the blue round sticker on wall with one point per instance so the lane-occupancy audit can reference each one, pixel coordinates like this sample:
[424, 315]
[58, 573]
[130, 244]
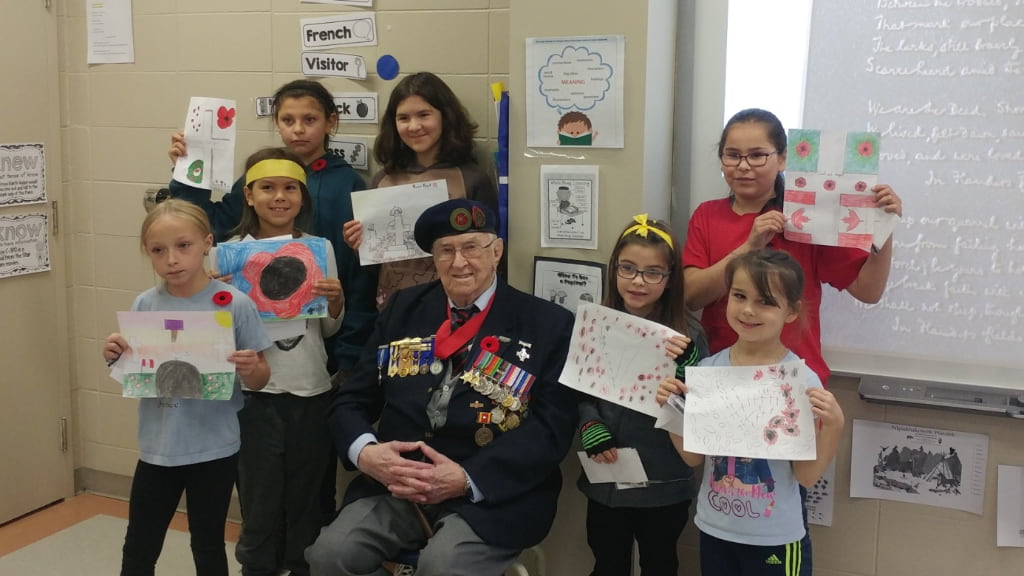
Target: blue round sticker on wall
[387, 67]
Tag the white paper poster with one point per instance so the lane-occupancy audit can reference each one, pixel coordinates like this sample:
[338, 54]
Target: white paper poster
[749, 411]
[24, 244]
[918, 465]
[627, 468]
[22, 174]
[388, 216]
[1010, 507]
[828, 200]
[568, 206]
[574, 91]
[109, 31]
[210, 141]
[618, 357]
[821, 497]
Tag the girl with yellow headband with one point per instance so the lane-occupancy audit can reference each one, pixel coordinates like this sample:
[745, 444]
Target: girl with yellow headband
[286, 447]
[645, 280]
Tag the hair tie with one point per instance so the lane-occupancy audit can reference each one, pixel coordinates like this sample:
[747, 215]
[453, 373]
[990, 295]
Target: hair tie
[275, 167]
[641, 228]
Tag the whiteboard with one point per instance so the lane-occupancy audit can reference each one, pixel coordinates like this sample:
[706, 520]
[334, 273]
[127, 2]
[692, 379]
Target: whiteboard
[943, 85]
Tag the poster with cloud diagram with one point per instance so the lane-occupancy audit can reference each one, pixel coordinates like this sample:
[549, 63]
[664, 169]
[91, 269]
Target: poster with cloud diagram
[574, 91]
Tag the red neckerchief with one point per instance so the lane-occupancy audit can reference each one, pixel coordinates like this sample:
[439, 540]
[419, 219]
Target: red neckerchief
[447, 343]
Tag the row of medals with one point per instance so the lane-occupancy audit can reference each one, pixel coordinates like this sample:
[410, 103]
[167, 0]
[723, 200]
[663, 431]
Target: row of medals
[507, 414]
[419, 360]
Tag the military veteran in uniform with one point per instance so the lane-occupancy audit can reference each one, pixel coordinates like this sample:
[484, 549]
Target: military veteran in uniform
[461, 377]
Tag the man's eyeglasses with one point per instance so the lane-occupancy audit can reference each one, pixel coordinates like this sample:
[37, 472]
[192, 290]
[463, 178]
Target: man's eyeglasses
[469, 251]
[629, 272]
[754, 159]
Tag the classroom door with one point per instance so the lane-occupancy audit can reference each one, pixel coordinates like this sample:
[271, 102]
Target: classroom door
[35, 463]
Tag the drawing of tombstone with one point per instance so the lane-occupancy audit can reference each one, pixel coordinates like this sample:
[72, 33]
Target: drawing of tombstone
[178, 379]
[174, 326]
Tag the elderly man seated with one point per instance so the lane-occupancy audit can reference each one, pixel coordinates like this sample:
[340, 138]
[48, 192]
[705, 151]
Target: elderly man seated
[461, 377]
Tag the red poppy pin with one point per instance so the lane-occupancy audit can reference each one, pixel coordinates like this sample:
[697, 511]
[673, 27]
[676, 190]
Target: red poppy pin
[222, 298]
[318, 164]
[489, 344]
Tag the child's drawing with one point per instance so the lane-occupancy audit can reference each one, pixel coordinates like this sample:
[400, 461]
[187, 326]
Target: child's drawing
[618, 357]
[828, 197]
[177, 355]
[388, 216]
[821, 498]
[278, 274]
[210, 141]
[749, 411]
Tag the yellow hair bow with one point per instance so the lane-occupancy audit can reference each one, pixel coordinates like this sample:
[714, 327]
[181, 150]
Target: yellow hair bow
[641, 228]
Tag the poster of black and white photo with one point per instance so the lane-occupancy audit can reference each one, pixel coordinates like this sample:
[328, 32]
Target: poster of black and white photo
[918, 465]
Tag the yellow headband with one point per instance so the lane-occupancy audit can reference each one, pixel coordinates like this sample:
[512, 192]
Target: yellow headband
[641, 228]
[275, 167]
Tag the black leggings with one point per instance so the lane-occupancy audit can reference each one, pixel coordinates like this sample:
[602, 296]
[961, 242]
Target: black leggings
[156, 491]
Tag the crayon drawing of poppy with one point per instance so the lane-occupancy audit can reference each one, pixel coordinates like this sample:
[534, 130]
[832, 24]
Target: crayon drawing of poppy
[866, 148]
[225, 117]
[770, 436]
[829, 185]
[282, 282]
[801, 182]
[860, 186]
[803, 149]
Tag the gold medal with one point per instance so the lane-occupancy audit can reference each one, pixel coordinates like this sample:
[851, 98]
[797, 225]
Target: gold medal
[507, 401]
[483, 436]
[511, 421]
[403, 371]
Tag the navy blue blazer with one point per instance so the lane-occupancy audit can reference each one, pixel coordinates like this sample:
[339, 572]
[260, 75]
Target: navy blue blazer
[518, 472]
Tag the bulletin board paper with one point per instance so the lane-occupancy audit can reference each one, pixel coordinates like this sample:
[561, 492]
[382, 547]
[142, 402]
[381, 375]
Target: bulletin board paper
[22, 173]
[905, 463]
[24, 244]
[574, 91]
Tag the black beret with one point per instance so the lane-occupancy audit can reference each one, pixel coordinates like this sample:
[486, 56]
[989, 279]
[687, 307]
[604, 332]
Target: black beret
[451, 217]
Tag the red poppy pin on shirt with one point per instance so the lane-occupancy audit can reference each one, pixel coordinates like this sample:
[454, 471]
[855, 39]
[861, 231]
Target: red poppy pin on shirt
[489, 344]
[222, 298]
[318, 164]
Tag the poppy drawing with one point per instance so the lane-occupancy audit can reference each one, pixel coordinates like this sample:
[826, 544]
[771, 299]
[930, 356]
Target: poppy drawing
[278, 275]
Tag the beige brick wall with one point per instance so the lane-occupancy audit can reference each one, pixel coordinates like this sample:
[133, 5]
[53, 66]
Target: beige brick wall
[117, 121]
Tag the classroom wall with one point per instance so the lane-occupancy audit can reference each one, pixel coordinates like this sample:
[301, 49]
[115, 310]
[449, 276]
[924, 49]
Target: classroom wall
[116, 121]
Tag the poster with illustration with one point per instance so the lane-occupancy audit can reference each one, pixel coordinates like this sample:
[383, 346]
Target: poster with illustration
[277, 274]
[749, 411]
[568, 283]
[618, 357]
[175, 354]
[210, 143]
[388, 216]
[574, 91]
[905, 463]
[828, 199]
[820, 500]
[568, 206]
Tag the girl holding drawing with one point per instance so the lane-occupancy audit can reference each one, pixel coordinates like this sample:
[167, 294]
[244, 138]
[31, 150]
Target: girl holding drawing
[305, 117]
[749, 511]
[286, 447]
[646, 283]
[752, 151]
[426, 134]
[187, 444]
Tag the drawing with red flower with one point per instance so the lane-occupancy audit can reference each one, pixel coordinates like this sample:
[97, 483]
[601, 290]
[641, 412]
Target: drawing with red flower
[801, 182]
[866, 148]
[770, 436]
[318, 164]
[860, 186]
[282, 282]
[830, 185]
[225, 117]
[222, 298]
[803, 149]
